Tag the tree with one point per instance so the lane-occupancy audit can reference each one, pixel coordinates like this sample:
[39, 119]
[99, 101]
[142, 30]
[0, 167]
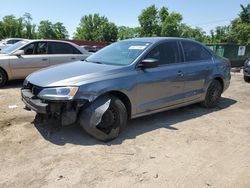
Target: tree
[161, 22]
[28, 26]
[45, 30]
[10, 26]
[96, 28]
[245, 14]
[149, 22]
[170, 23]
[192, 33]
[127, 32]
[60, 31]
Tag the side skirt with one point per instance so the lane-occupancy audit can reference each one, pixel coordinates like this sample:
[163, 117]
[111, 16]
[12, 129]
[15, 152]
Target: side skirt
[167, 108]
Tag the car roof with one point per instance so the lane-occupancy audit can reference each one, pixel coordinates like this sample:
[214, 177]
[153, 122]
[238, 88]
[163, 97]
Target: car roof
[61, 41]
[159, 39]
[14, 39]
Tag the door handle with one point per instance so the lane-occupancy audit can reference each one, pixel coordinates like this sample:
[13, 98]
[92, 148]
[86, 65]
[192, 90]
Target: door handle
[180, 73]
[73, 58]
[44, 59]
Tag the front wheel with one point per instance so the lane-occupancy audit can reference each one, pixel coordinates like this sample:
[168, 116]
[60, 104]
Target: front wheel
[213, 94]
[104, 118]
[3, 78]
[247, 78]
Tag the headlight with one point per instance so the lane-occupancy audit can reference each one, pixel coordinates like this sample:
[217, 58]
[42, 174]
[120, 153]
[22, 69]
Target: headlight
[247, 62]
[58, 93]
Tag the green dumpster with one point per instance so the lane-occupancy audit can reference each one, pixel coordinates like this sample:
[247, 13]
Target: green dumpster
[237, 54]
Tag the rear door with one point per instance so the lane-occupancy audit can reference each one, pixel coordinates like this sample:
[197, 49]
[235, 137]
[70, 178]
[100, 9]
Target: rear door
[35, 57]
[199, 66]
[60, 52]
[161, 86]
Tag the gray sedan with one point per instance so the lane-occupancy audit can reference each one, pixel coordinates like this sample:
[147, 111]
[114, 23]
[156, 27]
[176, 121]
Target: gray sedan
[125, 80]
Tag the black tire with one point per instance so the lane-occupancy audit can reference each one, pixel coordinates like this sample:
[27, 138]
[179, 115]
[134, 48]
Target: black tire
[113, 121]
[3, 78]
[247, 78]
[213, 94]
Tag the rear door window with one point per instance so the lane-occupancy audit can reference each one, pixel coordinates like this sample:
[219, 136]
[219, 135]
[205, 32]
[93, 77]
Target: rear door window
[195, 52]
[62, 48]
[166, 53]
[42, 48]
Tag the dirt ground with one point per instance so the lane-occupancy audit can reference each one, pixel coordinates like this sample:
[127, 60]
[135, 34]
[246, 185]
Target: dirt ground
[186, 147]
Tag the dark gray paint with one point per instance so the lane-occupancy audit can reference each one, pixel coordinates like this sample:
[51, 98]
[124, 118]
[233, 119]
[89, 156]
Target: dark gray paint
[149, 90]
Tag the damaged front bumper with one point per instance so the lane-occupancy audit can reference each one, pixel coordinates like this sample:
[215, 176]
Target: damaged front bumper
[246, 71]
[64, 111]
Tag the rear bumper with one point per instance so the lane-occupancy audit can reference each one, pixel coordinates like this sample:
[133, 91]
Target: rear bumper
[33, 103]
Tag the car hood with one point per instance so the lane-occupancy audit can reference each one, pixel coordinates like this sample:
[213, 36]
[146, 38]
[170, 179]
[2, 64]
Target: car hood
[4, 55]
[71, 74]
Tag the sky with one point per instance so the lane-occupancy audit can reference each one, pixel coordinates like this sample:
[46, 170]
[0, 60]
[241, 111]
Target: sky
[206, 14]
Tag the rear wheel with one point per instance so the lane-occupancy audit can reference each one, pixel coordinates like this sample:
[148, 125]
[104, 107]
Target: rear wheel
[112, 122]
[3, 78]
[247, 78]
[213, 94]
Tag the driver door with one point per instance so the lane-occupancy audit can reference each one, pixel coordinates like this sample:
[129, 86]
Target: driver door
[163, 85]
[35, 57]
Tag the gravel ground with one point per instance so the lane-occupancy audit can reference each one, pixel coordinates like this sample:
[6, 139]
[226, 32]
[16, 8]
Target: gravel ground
[186, 147]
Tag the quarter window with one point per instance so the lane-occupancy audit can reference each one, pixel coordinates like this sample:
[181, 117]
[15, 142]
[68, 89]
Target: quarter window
[195, 52]
[166, 53]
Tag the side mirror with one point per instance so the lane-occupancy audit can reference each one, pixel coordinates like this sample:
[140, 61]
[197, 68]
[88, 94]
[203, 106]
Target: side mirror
[149, 63]
[18, 53]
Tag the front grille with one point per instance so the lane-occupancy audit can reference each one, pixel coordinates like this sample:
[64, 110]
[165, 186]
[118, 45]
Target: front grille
[35, 90]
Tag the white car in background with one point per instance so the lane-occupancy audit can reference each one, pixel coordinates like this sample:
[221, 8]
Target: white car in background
[8, 42]
[27, 56]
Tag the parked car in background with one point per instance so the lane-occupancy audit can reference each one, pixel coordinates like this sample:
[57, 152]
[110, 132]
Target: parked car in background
[246, 70]
[91, 48]
[127, 79]
[27, 56]
[8, 42]
[88, 48]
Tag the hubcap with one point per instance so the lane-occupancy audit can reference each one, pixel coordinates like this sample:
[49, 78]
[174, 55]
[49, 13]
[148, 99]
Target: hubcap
[1, 78]
[214, 94]
[108, 121]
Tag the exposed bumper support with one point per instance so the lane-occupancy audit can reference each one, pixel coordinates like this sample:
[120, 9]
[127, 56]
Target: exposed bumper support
[64, 111]
[33, 104]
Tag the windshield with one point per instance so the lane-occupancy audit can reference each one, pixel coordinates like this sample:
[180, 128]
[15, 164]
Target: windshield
[13, 47]
[119, 53]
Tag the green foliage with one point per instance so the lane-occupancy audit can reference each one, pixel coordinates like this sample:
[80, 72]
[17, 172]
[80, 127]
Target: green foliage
[12, 27]
[163, 23]
[237, 32]
[127, 32]
[193, 33]
[94, 27]
[149, 21]
[48, 30]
